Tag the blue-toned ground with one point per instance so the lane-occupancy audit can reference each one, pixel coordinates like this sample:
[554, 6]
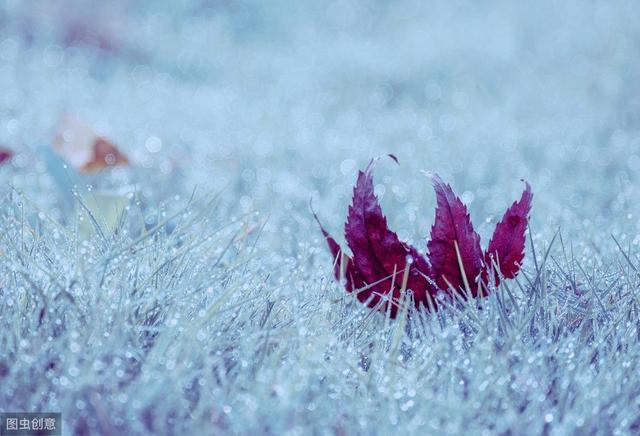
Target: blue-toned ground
[208, 306]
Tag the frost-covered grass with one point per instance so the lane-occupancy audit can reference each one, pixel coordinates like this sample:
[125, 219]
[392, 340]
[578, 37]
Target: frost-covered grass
[193, 330]
[209, 306]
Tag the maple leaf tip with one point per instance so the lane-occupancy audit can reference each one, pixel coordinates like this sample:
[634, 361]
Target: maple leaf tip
[444, 189]
[527, 195]
[436, 180]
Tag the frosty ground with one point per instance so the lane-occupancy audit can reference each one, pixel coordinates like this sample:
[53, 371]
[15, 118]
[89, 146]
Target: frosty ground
[211, 308]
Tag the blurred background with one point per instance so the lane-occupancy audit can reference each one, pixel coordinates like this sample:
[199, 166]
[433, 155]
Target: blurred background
[281, 102]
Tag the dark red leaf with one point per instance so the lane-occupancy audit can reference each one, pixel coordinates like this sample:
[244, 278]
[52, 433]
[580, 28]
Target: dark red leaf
[382, 265]
[453, 227]
[5, 155]
[379, 255]
[507, 243]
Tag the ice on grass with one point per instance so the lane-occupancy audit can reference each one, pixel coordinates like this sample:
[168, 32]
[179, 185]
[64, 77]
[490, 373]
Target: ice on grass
[200, 299]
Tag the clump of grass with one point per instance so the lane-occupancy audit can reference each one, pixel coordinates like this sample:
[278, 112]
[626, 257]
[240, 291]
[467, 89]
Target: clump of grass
[184, 323]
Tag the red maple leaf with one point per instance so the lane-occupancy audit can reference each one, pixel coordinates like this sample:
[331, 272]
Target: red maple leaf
[383, 267]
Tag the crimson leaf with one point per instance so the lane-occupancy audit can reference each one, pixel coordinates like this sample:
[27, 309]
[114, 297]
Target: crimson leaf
[378, 253]
[454, 246]
[382, 266]
[5, 155]
[506, 248]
